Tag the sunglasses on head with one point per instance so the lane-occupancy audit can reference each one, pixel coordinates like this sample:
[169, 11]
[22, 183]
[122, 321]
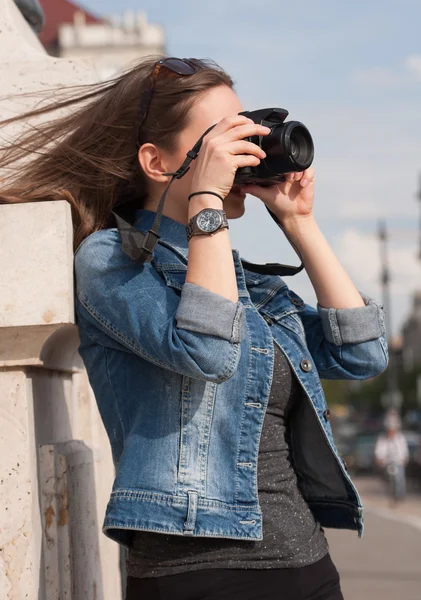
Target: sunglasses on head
[180, 66]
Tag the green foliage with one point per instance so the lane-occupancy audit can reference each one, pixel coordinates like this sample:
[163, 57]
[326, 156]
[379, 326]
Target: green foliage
[367, 395]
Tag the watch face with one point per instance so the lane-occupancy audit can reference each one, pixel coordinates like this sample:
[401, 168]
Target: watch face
[209, 220]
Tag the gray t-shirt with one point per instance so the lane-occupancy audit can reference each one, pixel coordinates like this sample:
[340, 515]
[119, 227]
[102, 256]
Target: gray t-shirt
[291, 536]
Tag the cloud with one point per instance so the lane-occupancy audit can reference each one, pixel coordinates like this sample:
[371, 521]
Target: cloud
[406, 72]
[360, 255]
[377, 77]
[366, 168]
[413, 64]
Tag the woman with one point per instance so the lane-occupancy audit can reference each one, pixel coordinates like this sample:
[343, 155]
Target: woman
[207, 375]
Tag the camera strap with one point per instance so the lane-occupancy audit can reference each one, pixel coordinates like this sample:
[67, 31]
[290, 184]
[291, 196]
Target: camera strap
[140, 246]
[137, 244]
[276, 268]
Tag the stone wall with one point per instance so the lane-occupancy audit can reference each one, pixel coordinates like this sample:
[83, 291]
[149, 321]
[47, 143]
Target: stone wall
[56, 469]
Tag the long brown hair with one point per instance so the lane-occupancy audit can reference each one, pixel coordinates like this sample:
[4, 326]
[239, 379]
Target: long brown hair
[89, 156]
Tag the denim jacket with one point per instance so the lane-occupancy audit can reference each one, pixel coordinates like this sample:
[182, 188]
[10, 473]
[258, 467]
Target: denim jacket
[182, 377]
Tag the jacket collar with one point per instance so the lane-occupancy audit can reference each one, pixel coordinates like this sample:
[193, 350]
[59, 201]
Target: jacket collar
[172, 232]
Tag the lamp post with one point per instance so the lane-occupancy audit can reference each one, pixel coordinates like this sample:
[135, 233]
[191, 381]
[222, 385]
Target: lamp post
[393, 397]
[419, 198]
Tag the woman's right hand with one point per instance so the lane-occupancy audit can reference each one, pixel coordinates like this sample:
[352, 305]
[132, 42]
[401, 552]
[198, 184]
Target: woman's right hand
[223, 151]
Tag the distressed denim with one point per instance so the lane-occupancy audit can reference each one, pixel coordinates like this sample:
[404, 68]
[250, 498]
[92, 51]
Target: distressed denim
[182, 378]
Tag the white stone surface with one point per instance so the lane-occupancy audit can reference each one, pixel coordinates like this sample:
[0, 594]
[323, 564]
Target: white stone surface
[49, 421]
[36, 270]
[20, 523]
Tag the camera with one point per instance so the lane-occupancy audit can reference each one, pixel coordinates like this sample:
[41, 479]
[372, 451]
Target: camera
[289, 147]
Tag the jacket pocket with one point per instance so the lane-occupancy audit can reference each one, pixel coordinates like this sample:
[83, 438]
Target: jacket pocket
[173, 275]
[294, 324]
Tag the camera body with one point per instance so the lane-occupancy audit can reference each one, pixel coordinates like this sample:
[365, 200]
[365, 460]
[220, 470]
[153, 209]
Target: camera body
[289, 147]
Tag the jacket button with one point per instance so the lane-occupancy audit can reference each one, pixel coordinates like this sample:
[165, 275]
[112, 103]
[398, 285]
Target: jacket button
[268, 319]
[306, 365]
[326, 415]
[297, 301]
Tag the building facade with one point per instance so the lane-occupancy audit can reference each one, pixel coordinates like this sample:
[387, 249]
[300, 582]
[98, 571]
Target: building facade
[109, 43]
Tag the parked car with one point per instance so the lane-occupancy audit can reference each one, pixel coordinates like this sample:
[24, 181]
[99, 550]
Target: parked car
[360, 457]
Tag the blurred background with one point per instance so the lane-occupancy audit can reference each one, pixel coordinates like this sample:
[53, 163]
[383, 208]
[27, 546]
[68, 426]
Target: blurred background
[351, 72]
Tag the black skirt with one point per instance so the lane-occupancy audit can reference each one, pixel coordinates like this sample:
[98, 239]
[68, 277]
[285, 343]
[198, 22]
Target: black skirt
[318, 581]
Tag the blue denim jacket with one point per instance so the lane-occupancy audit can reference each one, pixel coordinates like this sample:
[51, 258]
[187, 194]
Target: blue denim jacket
[182, 378]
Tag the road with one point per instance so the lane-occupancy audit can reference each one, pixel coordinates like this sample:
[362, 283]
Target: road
[386, 563]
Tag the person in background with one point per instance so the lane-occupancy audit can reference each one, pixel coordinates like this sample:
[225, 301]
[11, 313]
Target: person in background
[391, 453]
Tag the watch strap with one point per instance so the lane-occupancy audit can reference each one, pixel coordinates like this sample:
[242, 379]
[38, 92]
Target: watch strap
[193, 229]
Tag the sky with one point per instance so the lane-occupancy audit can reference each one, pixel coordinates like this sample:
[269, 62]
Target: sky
[351, 72]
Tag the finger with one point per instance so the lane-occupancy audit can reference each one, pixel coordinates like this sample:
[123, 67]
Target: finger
[244, 147]
[228, 123]
[285, 186]
[309, 173]
[293, 176]
[243, 131]
[307, 177]
[265, 194]
[246, 160]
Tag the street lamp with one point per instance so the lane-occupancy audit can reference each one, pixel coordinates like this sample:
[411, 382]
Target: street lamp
[419, 198]
[393, 396]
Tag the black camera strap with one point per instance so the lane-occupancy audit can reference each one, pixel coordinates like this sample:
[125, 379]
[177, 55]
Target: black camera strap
[276, 268]
[140, 246]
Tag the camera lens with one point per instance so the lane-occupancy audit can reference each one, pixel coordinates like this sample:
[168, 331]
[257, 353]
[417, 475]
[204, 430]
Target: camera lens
[295, 148]
[289, 147]
[300, 145]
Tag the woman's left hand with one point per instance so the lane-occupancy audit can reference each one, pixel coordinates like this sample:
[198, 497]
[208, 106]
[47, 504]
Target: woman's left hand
[289, 200]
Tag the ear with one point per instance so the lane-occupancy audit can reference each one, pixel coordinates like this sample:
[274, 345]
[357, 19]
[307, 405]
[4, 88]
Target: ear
[152, 162]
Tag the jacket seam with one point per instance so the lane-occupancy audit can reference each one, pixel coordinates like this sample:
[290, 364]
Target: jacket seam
[235, 330]
[248, 336]
[229, 371]
[110, 525]
[325, 432]
[383, 345]
[113, 392]
[320, 371]
[272, 292]
[134, 347]
[334, 327]
[139, 495]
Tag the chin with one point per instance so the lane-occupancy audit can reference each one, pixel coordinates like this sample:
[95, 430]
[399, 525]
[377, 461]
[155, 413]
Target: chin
[234, 205]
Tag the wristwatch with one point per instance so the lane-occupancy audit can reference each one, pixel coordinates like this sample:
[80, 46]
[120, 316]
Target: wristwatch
[207, 221]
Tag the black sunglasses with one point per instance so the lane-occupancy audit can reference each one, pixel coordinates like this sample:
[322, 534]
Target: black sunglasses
[180, 66]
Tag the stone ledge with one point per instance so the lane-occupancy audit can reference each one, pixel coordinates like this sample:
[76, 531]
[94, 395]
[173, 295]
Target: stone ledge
[36, 278]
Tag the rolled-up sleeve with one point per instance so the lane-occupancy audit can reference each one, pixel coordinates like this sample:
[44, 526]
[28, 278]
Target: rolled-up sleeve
[353, 325]
[347, 343]
[203, 311]
[196, 333]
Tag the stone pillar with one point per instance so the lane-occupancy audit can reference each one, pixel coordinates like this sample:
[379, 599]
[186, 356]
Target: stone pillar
[56, 469]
